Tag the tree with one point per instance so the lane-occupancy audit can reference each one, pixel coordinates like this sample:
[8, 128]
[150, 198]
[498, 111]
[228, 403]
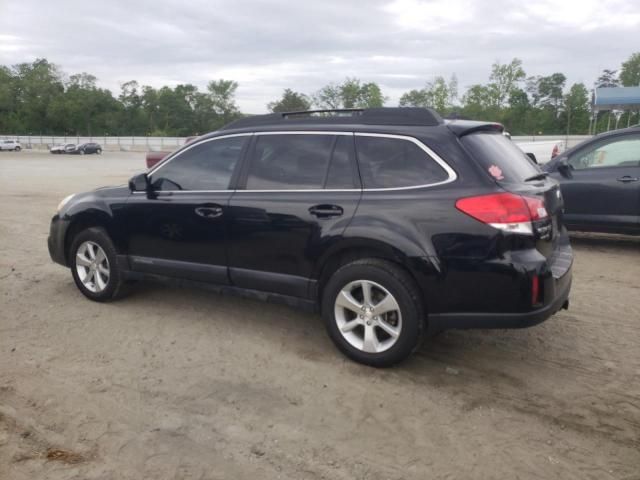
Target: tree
[438, 94]
[630, 71]
[576, 109]
[349, 94]
[607, 78]
[290, 102]
[222, 94]
[504, 79]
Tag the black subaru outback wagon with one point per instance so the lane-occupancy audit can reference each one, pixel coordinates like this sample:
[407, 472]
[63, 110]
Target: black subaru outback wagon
[390, 222]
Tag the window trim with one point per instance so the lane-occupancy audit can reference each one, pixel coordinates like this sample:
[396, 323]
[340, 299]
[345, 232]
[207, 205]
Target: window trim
[599, 143]
[452, 176]
[188, 147]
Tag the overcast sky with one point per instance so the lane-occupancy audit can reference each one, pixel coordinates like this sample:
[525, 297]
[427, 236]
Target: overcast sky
[270, 45]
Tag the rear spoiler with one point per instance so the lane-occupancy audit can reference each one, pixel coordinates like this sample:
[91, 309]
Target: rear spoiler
[464, 127]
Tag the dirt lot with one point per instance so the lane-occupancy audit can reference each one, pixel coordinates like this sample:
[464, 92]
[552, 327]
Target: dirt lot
[171, 383]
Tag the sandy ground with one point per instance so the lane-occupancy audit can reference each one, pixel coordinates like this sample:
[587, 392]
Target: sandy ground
[172, 383]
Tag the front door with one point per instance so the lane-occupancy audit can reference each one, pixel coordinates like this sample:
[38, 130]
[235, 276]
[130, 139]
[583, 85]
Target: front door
[603, 190]
[300, 192]
[180, 228]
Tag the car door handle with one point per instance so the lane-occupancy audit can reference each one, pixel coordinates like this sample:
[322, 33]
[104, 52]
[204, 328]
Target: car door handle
[325, 211]
[628, 178]
[209, 212]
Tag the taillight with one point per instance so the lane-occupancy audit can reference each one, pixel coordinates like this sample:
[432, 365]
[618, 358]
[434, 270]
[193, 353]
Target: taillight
[506, 211]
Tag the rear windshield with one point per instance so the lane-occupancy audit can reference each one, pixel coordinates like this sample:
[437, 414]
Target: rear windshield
[500, 157]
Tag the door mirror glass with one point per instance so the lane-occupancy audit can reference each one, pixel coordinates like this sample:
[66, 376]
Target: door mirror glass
[564, 168]
[139, 183]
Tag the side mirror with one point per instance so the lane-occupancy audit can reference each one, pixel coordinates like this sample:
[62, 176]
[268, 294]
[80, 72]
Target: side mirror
[140, 183]
[564, 168]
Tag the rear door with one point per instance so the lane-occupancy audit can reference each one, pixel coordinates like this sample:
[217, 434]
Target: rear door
[603, 189]
[298, 193]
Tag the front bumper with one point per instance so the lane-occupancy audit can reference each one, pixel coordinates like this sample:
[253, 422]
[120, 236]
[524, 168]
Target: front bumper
[55, 242]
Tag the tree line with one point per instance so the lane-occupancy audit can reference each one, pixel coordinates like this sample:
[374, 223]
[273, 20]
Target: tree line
[38, 98]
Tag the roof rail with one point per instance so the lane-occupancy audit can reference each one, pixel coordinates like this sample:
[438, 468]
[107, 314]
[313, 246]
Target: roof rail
[408, 116]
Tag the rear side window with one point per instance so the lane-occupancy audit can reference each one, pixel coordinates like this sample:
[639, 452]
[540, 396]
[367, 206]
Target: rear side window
[205, 166]
[500, 157]
[395, 163]
[300, 162]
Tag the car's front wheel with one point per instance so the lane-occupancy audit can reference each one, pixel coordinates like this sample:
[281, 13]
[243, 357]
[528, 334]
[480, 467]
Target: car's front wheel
[18, 149]
[94, 266]
[81, 152]
[99, 151]
[373, 312]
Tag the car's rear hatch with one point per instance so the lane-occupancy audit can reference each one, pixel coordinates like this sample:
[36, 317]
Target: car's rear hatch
[516, 173]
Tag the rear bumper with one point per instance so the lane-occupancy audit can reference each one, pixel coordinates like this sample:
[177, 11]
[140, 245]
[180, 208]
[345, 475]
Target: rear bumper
[559, 294]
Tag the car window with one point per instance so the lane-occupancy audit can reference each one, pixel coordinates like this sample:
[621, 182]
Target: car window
[500, 157]
[340, 173]
[617, 152]
[289, 162]
[204, 166]
[394, 163]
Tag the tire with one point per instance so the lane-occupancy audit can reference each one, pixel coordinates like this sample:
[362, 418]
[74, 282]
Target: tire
[99, 151]
[104, 287]
[81, 152]
[406, 322]
[18, 149]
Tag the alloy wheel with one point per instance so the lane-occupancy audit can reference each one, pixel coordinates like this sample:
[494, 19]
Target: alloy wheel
[92, 266]
[368, 316]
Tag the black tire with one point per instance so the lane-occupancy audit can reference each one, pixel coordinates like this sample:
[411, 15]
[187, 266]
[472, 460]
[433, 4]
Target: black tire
[115, 285]
[82, 152]
[404, 290]
[18, 149]
[99, 151]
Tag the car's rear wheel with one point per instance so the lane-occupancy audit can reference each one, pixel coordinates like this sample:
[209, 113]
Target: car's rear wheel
[373, 312]
[99, 151]
[94, 265]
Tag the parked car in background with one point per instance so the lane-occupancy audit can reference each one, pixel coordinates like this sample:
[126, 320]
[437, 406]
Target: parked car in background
[600, 182]
[63, 148]
[86, 148]
[152, 158]
[390, 223]
[10, 145]
[542, 151]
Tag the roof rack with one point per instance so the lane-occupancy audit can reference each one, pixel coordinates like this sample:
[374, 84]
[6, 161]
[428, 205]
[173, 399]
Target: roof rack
[406, 116]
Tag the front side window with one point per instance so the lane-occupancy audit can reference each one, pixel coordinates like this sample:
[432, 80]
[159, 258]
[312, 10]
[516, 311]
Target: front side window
[395, 163]
[619, 152]
[205, 166]
[290, 162]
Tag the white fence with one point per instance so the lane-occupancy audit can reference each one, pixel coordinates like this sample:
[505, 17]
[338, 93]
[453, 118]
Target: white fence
[171, 143]
[108, 143]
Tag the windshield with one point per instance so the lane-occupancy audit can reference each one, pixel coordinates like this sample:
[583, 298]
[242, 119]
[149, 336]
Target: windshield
[500, 157]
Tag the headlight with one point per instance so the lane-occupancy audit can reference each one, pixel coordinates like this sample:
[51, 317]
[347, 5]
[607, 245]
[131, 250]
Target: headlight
[64, 201]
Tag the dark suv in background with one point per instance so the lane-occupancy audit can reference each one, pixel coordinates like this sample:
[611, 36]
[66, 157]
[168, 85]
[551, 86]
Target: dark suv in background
[390, 222]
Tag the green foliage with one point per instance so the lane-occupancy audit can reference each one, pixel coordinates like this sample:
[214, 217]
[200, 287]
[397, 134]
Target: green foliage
[290, 102]
[438, 94]
[349, 94]
[630, 71]
[36, 98]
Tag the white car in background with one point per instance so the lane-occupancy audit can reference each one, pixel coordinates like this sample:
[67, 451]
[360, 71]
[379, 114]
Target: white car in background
[10, 145]
[542, 150]
[63, 148]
